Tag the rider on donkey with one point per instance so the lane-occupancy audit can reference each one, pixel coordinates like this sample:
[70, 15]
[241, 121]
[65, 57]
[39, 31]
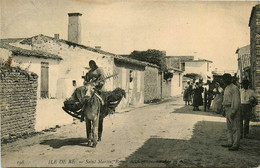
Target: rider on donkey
[80, 103]
[95, 75]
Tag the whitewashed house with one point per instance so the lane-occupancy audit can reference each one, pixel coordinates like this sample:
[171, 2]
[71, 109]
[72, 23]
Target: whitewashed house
[43, 64]
[201, 67]
[56, 76]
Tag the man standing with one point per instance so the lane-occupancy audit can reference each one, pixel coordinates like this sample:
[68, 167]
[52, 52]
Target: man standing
[231, 103]
[246, 108]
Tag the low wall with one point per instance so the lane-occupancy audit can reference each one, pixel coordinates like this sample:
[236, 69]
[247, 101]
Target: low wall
[18, 97]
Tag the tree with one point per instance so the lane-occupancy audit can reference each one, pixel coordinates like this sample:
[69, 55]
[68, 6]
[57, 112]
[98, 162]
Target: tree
[152, 56]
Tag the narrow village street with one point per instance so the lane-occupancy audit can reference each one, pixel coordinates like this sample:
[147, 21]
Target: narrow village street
[163, 134]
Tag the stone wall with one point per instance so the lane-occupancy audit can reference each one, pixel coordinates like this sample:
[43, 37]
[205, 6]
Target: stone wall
[255, 52]
[18, 97]
[173, 62]
[152, 89]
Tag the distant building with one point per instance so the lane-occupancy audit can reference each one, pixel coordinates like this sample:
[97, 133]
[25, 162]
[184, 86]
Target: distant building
[183, 59]
[244, 65]
[162, 84]
[173, 62]
[201, 67]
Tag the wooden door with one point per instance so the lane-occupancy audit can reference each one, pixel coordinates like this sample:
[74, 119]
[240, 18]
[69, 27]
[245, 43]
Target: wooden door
[44, 80]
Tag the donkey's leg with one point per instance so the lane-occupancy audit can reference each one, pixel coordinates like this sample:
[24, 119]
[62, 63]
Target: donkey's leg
[100, 127]
[95, 130]
[88, 131]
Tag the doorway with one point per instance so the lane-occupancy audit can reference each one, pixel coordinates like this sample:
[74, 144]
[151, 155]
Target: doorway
[44, 80]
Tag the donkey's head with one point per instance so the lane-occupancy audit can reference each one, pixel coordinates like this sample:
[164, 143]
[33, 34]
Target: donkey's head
[90, 89]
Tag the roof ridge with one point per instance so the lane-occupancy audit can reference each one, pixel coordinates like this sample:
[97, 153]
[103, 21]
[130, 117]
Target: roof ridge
[94, 49]
[19, 50]
[117, 56]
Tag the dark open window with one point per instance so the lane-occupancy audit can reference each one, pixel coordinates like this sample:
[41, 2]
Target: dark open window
[183, 66]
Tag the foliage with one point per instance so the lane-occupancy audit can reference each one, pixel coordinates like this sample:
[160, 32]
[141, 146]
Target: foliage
[152, 56]
[192, 75]
[167, 75]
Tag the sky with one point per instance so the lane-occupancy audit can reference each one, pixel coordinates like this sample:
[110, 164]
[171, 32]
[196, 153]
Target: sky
[205, 29]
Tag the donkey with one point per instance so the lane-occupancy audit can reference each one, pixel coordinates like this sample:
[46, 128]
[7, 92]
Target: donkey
[95, 110]
[91, 112]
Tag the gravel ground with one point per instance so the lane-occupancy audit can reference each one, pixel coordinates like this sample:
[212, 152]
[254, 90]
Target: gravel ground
[164, 134]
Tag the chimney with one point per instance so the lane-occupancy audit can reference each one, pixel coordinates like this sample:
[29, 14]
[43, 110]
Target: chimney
[74, 27]
[57, 36]
[98, 47]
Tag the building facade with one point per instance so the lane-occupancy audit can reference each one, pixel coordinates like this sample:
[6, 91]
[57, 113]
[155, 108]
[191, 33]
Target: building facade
[201, 67]
[131, 79]
[60, 76]
[174, 66]
[254, 24]
[183, 59]
[46, 66]
[176, 82]
[244, 66]
[152, 83]
[41, 63]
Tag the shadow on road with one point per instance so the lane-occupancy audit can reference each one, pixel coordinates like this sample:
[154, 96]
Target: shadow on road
[188, 110]
[202, 150]
[57, 143]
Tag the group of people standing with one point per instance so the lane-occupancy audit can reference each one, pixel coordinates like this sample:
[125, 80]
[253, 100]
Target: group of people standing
[193, 94]
[235, 101]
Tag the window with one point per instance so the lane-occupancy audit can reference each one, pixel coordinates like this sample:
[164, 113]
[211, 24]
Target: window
[183, 66]
[131, 76]
[74, 83]
[207, 67]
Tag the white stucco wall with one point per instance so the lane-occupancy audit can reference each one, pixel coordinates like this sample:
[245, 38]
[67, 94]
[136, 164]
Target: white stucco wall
[134, 91]
[72, 67]
[48, 111]
[4, 54]
[34, 65]
[176, 86]
[49, 114]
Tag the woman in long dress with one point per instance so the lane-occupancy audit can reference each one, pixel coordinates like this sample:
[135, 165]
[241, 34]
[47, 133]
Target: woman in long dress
[217, 102]
[197, 97]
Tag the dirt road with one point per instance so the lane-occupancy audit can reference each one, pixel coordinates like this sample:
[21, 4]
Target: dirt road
[166, 134]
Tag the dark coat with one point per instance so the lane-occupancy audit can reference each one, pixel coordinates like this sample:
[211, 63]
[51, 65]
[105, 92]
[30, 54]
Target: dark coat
[197, 98]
